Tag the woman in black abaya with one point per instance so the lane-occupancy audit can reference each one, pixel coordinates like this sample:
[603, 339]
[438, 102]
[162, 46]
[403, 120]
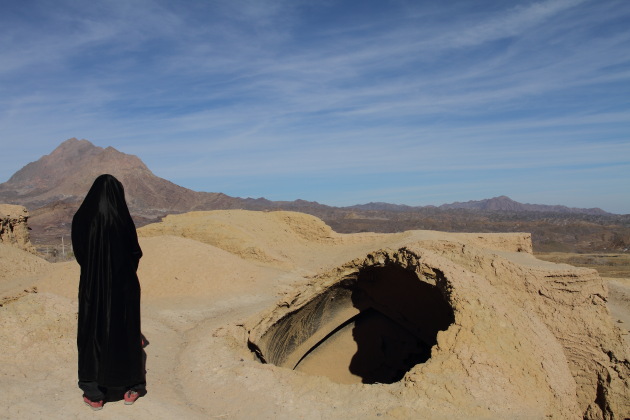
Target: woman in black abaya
[109, 340]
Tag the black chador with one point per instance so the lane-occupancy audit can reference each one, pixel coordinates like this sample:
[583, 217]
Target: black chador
[106, 247]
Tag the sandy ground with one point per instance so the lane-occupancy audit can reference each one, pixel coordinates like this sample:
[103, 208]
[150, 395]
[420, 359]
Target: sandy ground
[194, 291]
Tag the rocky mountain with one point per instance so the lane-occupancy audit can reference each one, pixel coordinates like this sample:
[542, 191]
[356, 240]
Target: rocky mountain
[504, 203]
[68, 172]
[53, 187]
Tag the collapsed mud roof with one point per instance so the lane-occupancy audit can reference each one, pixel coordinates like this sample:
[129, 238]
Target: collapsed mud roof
[371, 326]
[474, 328]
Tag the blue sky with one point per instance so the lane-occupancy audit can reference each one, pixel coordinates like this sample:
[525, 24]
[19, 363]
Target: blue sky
[340, 102]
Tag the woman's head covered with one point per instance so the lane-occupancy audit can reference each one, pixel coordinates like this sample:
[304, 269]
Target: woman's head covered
[106, 201]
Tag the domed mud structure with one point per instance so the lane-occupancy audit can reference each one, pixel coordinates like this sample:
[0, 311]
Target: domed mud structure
[468, 325]
[371, 326]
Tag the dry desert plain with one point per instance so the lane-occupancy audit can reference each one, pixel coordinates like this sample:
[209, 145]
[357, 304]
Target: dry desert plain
[525, 338]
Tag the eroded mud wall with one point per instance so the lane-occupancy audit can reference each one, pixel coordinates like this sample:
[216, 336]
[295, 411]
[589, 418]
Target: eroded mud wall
[503, 353]
[14, 228]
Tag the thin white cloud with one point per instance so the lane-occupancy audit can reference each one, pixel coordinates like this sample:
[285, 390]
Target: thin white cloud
[257, 89]
[511, 23]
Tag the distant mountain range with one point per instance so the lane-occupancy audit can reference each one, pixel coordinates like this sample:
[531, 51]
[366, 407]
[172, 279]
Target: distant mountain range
[502, 203]
[53, 187]
[67, 173]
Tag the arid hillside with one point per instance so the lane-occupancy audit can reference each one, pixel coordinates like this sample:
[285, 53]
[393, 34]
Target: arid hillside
[66, 174]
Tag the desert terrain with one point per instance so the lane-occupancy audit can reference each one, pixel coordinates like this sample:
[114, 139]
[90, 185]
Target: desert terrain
[524, 338]
[52, 188]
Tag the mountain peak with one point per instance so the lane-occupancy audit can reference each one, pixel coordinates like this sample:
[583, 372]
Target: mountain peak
[70, 169]
[67, 173]
[72, 142]
[504, 203]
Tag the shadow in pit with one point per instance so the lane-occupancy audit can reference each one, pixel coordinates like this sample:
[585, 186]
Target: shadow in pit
[396, 324]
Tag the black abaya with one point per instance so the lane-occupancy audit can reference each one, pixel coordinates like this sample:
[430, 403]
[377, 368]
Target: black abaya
[106, 247]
